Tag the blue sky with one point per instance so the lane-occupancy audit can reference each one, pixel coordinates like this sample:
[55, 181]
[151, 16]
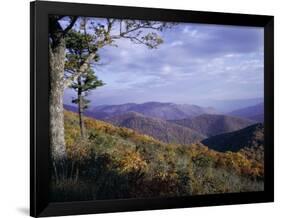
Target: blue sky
[196, 64]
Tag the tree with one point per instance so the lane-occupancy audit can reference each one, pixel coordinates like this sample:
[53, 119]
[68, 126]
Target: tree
[78, 46]
[84, 84]
[57, 49]
[104, 32]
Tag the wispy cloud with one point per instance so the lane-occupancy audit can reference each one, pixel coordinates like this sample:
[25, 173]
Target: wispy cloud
[195, 62]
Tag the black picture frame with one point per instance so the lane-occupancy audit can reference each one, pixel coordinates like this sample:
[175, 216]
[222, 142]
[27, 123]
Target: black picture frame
[39, 108]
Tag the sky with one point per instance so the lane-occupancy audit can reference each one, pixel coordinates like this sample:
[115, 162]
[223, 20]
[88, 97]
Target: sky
[196, 64]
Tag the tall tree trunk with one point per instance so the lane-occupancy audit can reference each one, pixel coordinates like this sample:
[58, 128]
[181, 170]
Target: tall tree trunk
[56, 62]
[80, 108]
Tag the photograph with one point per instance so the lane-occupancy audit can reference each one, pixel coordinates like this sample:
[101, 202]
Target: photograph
[153, 109]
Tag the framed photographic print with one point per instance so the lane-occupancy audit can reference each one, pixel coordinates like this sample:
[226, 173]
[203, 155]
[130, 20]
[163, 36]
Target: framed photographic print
[140, 108]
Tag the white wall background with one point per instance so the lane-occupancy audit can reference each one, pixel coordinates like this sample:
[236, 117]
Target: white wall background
[14, 107]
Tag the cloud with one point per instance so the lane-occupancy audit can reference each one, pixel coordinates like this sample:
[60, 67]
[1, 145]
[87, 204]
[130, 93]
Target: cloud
[194, 61]
[176, 43]
[192, 32]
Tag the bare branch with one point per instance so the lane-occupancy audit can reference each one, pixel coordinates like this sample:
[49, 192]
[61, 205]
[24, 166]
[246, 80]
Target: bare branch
[120, 28]
[134, 39]
[85, 33]
[72, 22]
[140, 26]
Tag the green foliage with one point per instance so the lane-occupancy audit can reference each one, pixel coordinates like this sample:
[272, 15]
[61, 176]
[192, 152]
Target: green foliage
[79, 45]
[84, 84]
[90, 81]
[117, 162]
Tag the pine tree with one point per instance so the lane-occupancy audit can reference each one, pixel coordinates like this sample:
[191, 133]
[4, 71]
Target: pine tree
[83, 85]
[79, 45]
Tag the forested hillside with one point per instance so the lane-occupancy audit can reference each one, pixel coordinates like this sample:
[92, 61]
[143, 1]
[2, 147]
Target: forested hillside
[159, 129]
[214, 124]
[249, 140]
[116, 162]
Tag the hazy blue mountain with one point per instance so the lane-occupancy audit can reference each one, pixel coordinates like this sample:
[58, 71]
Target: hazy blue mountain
[165, 111]
[74, 108]
[157, 128]
[255, 112]
[213, 124]
[257, 117]
[70, 108]
[226, 106]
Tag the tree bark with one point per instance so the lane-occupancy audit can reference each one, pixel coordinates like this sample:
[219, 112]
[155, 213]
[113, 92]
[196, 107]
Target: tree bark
[80, 108]
[56, 63]
[57, 83]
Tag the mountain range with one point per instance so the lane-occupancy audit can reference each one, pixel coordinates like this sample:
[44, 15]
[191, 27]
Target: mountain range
[226, 106]
[213, 124]
[165, 111]
[157, 128]
[170, 111]
[183, 131]
[255, 112]
[218, 132]
[172, 123]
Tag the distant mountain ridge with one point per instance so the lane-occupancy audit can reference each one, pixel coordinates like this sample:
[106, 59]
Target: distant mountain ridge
[226, 106]
[214, 124]
[180, 131]
[255, 112]
[165, 111]
[157, 128]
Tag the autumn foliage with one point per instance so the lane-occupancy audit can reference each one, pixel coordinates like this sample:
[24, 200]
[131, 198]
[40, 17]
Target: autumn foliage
[114, 162]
